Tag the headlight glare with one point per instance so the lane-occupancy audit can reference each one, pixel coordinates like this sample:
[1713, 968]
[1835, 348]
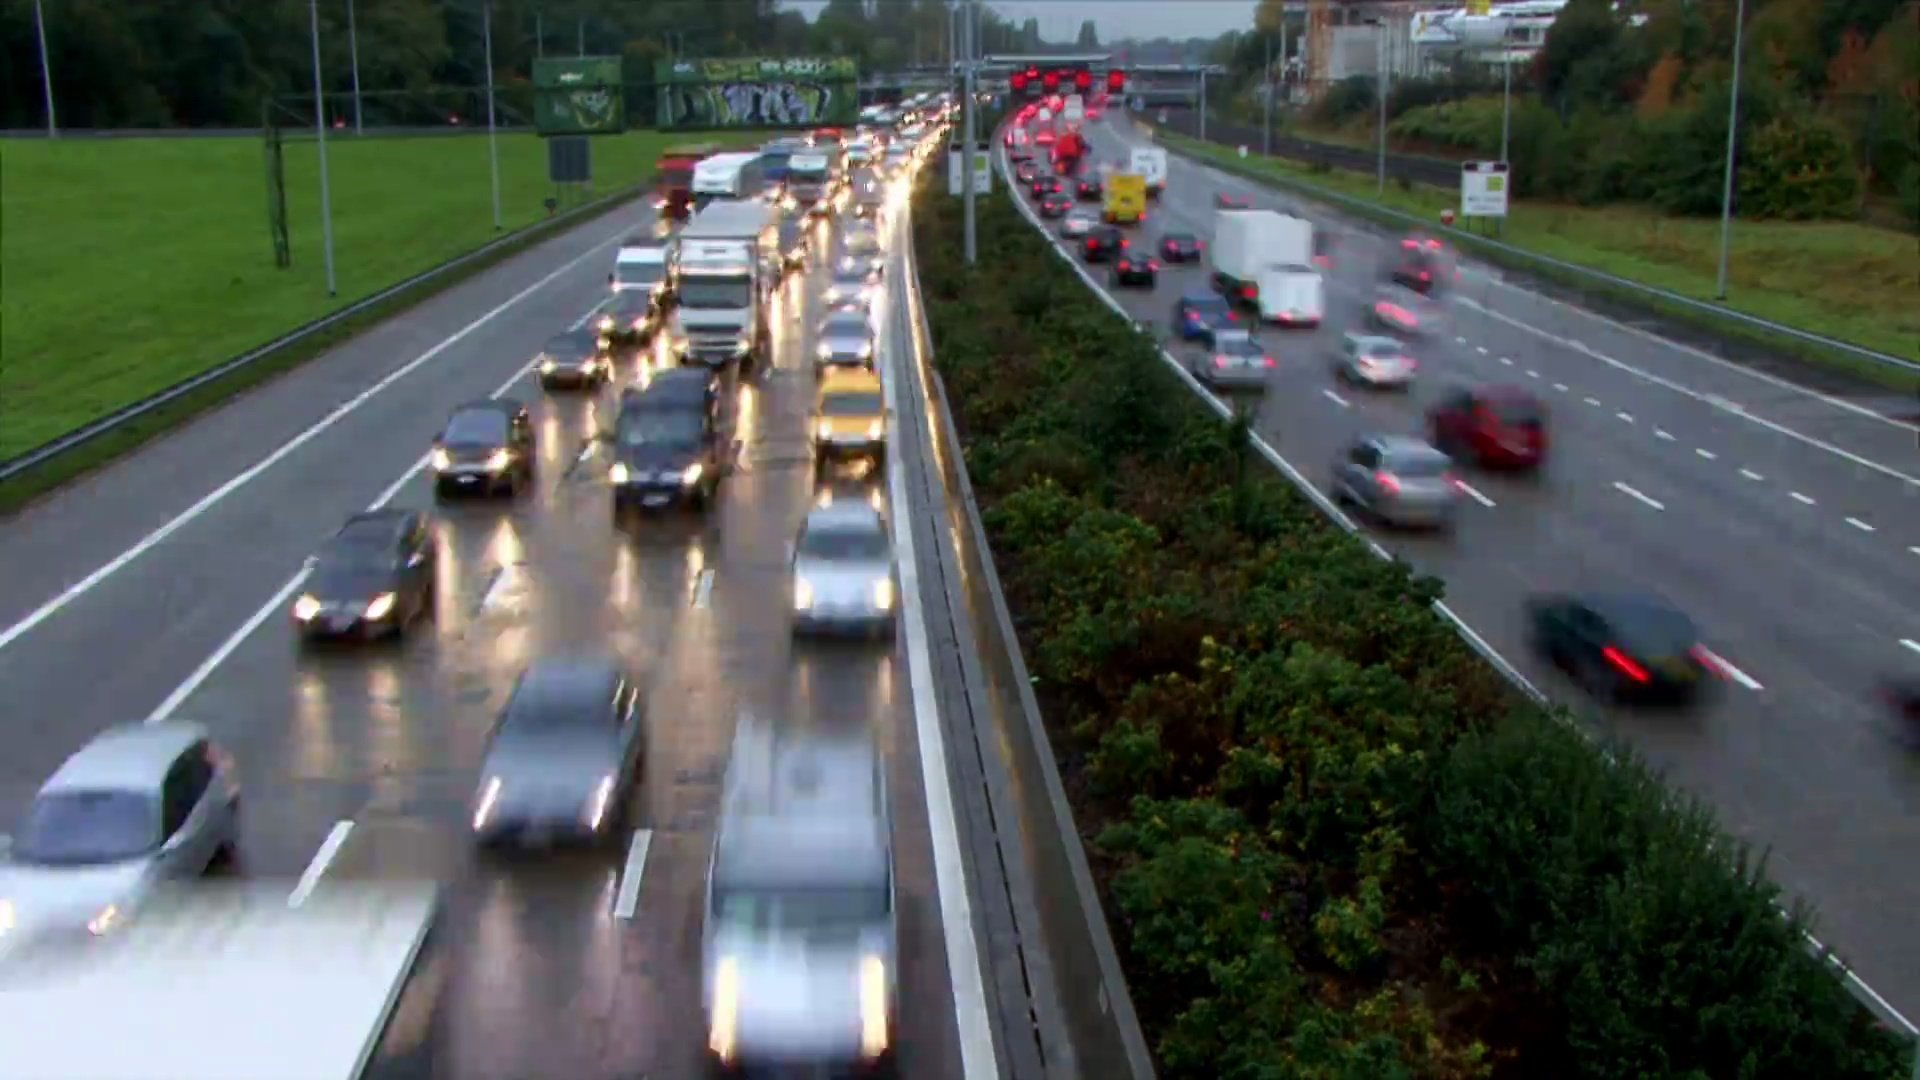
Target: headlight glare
[500, 460]
[442, 461]
[692, 475]
[380, 607]
[617, 473]
[306, 607]
[802, 594]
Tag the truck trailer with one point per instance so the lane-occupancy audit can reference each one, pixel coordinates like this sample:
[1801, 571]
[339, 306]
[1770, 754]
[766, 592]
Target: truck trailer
[1263, 259]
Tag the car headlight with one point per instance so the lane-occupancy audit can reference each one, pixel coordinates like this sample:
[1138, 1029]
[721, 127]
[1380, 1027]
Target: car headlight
[873, 1007]
[8, 917]
[381, 607]
[103, 922]
[876, 430]
[825, 351]
[883, 594]
[500, 460]
[306, 607]
[743, 346]
[802, 594]
[483, 806]
[442, 461]
[606, 322]
[866, 351]
[546, 367]
[692, 475]
[724, 1018]
[617, 473]
[823, 430]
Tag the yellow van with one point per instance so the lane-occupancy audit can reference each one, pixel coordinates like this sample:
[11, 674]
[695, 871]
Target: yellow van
[849, 418]
[1126, 199]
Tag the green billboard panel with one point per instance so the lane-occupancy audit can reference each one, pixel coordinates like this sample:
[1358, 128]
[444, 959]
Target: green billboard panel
[755, 91]
[578, 95]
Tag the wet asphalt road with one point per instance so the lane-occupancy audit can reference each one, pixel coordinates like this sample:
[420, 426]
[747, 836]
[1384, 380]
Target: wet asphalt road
[1786, 523]
[360, 762]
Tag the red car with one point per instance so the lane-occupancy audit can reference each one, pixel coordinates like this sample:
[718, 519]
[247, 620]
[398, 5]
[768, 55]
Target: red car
[1501, 427]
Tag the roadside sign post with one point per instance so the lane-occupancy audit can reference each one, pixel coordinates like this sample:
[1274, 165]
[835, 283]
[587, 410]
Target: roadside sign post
[1484, 189]
[320, 135]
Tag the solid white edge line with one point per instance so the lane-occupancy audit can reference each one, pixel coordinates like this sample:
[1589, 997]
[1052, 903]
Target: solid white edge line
[1336, 398]
[147, 543]
[1848, 975]
[1637, 494]
[192, 682]
[627, 900]
[979, 1060]
[1911, 644]
[1475, 493]
[322, 859]
[1731, 671]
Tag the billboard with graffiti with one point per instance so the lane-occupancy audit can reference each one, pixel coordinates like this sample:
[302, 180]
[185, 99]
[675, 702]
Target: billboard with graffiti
[758, 92]
[578, 95]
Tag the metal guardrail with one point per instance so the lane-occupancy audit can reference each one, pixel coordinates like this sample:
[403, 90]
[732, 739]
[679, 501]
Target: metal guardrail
[1412, 168]
[1865, 995]
[120, 418]
[1646, 294]
[348, 134]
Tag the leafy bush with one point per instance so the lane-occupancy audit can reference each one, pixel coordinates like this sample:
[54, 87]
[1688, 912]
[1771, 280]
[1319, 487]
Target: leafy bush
[1331, 842]
[1355, 95]
[1798, 167]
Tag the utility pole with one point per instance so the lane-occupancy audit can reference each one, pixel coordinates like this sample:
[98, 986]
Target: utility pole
[1726, 188]
[968, 31]
[1506, 105]
[1380, 26]
[46, 69]
[1266, 126]
[1203, 102]
[353, 53]
[493, 138]
[320, 133]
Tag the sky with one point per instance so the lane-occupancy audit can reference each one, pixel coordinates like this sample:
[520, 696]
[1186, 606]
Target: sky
[1060, 19]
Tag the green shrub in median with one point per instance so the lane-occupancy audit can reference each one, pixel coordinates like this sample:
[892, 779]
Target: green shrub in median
[1331, 841]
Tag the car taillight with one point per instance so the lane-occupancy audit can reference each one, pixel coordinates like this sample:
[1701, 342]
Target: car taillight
[1199, 245]
[1233, 316]
[1268, 360]
[1424, 276]
[1624, 664]
[1125, 265]
[1322, 261]
[1388, 482]
[1153, 264]
[1124, 242]
[1219, 361]
[1249, 292]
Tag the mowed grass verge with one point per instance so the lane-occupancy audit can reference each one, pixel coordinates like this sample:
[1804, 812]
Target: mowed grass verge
[1845, 280]
[130, 264]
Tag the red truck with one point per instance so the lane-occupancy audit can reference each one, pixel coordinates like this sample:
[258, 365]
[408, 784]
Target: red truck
[673, 193]
[1069, 149]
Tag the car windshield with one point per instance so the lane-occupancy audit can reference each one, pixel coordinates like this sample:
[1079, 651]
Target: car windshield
[803, 910]
[1380, 350]
[75, 828]
[639, 273]
[571, 346]
[660, 427]
[840, 326]
[1649, 628]
[865, 541]
[850, 276]
[714, 292]
[1238, 346]
[845, 403]
[477, 427]
[1210, 308]
[1420, 466]
[1290, 268]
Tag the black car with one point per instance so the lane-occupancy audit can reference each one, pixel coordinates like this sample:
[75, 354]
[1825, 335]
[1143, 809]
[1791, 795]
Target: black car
[1055, 205]
[1048, 185]
[1087, 189]
[795, 240]
[371, 579]
[1622, 647]
[577, 358]
[487, 446]
[631, 316]
[1422, 264]
[668, 443]
[1026, 171]
[1131, 269]
[1104, 244]
[1181, 247]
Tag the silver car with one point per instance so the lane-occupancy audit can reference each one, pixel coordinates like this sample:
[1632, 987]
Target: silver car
[1401, 310]
[1079, 222]
[137, 807]
[846, 337]
[1397, 480]
[851, 284]
[1371, 360]
[843, 572]
[566, 751]
[1237, 361]
[800, 943]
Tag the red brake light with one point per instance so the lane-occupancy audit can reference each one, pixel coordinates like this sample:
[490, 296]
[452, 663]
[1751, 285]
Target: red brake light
[1433, 245]
[1124, 242]
[1220, 361]
[1409, 244]
[1388, 481]
[1249, 291]
[1268, 359]
[1322, 260]
[1153, 264]
[1424, 276]
[1199, 245]
[1625, 665]
[1233, 316]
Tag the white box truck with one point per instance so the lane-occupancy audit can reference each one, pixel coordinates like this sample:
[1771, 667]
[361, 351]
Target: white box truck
[222, 982]
[725, 267]
[1150, 162]
[1263, 259]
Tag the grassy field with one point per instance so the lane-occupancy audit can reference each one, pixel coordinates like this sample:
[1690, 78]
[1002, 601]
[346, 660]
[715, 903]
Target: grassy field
[130, 264]
[1845, 280]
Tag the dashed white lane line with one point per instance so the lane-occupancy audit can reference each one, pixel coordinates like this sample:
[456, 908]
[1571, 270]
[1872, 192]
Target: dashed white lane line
[1336, 398]
[1751, 475]
[1914, 549]
[1474, 493]
[703, 589]
[1708, 454]
[1628, 417]
[1482, 349]
[329, 850]
[1807, 499]
[585, 453]
[627, 900]
[1507, 360]
[1911, 644]
[1727, 669]
[506, 585]
[1634, 493]
[1593, 401]
[1459, 341]
[1663, 434]
[1532, 374]
[1861, 525]
[1560, 386]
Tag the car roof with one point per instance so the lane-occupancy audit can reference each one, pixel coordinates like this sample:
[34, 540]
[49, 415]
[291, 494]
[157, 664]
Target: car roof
[799, 807]
[505, 406]
[371, 526]
[1504, 394]
[1404, 446]
[1203, 298]
[1376, 339]
[563, 681]
[690, 384]
[1640, 613]
[133, 756]
[849, 379]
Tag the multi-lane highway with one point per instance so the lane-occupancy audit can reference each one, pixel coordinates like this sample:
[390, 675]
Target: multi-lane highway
[1786, 522]
[161, 587]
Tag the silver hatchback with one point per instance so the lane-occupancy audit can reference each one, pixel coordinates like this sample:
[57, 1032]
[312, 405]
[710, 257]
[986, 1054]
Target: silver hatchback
[1236, 362]
[1397, 480]
[843, 572]
[1372, 360]
[137, 807]
[1079, 223]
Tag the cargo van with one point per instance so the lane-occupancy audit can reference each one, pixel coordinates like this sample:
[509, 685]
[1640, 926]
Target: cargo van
[1126, 199]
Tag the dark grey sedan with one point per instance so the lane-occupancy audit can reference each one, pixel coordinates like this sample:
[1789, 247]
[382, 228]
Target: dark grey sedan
[846, 337]
[566, 752]
[577, 358]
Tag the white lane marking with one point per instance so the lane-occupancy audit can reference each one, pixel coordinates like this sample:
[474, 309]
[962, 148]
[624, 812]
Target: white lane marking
[1593, 401]
[1507, 360]
[1628, 417]
[1560, 386]
[1459, 341]
[585, 453]
[978, 1058]
[627, 900]
[1751, 475]
[1335, 398]
[1807, 499]
[1727, 669]
[323, 858]
[1635, 493]
[1724, 405]
[505, 583]
[1914, 548]
[1475, 493]
[1861, 525]
[1481, 349]
[1663, 434]
[278, 600]
[1708, 454]
[1532, 374]
[703, 589]
[211, 499]
[1911, 644]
